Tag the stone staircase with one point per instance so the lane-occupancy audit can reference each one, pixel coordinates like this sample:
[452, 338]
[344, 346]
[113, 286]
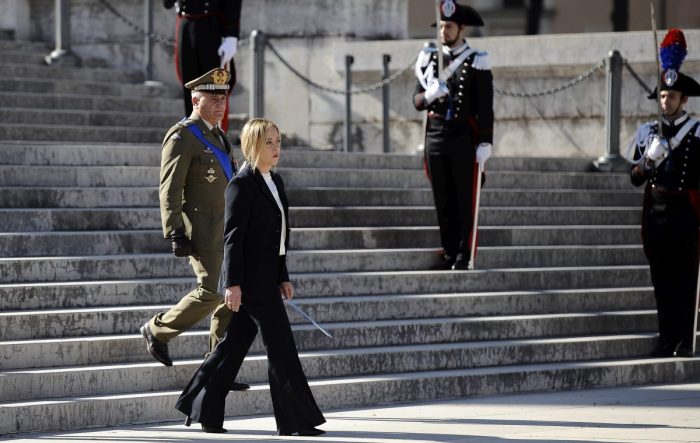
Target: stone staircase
[560, 300]
[51, 103]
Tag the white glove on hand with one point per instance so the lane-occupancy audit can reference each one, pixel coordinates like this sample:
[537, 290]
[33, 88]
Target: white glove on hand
[436, 90]
[227, 50]
[483, 153]
[658, 150]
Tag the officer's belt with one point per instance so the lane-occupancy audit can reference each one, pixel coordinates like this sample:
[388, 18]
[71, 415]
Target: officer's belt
[441, 117]
[197, 16]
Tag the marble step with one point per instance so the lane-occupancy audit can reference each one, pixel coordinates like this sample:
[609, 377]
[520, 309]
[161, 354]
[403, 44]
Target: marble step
[31, 384]
[81, 243]
[97, 346]
[157, 406]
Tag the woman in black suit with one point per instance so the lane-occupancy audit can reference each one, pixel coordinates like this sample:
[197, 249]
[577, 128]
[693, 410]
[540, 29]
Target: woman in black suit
[254, 275]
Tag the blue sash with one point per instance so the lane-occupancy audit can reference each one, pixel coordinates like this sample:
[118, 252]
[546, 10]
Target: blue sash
[223, 158]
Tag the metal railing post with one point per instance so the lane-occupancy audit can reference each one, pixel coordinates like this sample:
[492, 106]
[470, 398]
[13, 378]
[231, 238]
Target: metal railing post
[62, 54]
[611, 160]
[386, 59]
[148, 41]
[347, 140]
[257, 78]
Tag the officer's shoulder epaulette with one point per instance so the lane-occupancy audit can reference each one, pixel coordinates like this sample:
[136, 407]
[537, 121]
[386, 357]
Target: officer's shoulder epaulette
[644, 133]
[481, 61]
[174, 132]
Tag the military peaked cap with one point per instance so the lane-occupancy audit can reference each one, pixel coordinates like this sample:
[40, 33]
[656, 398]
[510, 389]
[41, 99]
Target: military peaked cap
[213, 82]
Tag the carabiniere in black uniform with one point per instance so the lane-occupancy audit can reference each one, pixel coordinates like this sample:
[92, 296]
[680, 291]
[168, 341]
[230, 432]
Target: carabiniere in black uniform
[201, 24]
[670, 221]
[457, 124]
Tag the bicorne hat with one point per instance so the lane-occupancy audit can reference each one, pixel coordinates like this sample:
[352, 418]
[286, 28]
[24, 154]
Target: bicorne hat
[460, 14]
[672, 52]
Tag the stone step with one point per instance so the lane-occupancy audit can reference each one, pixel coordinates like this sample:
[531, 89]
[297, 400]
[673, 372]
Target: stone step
[68, 243]
[51, 85]
[83, 197]
[93, 75]
[26, 46]
[72, 176]
[71, 293]
[91, 349]
[24, 56]
[158, 121]
[72, 101]
[41, 269]
[78, 322]
[81, 219]
[489, 197]
[157, 406]
[105, 154]
[31, 384]
[25, 131]
[25, 296]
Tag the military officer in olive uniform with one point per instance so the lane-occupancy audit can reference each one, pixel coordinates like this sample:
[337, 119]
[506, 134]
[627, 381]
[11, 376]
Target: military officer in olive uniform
[196, 164]
[207, 33]
[459, 131]
[670, 167]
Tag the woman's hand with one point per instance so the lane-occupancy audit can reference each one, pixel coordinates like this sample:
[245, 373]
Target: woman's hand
[287, 290]
[232, 298]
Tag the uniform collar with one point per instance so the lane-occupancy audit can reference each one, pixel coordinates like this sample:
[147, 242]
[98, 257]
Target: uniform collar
[677, 122]
[456, 51]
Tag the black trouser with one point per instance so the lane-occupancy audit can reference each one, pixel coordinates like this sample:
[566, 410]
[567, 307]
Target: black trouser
[450, 155]
[671, 246]
[198, 42]
[294, 406]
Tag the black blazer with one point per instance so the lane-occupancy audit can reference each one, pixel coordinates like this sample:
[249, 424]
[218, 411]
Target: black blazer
[252, 226]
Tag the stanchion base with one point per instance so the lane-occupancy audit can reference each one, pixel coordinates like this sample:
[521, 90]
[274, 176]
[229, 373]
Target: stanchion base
[61, 57]
[609, 163]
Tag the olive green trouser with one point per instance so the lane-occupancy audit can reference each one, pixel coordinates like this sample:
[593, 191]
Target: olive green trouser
[197, 304]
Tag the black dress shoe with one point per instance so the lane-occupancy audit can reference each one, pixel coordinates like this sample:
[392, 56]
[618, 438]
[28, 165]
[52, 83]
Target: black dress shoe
[461, 263]
[239, 386]
[662, 350]
[212, 430]
[311, 432]
[158, 349]
[445, 264]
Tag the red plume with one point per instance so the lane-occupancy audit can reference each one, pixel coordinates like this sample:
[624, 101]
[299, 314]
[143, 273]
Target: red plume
[674, 36]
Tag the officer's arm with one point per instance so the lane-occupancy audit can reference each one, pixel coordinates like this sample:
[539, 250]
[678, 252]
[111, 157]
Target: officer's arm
[232, 18]
[483, 91]
[174, 164]
[239, 197]
[419, 101]
[643, 168]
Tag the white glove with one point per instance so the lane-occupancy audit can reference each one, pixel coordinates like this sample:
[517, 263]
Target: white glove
[435, 91]
[483, 153]
[658, 150]
[227, 50]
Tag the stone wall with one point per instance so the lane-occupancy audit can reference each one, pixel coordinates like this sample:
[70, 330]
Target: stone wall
[315, 35]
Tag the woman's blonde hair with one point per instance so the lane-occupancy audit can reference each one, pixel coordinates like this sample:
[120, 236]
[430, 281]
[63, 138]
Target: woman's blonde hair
[253, 138]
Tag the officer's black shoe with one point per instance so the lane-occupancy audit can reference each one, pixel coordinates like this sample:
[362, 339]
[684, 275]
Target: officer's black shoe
[683, 350]
[462, 263]
[239, 386]
[158, 349]
[311, 432]
[662, 350]
[446, 262]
